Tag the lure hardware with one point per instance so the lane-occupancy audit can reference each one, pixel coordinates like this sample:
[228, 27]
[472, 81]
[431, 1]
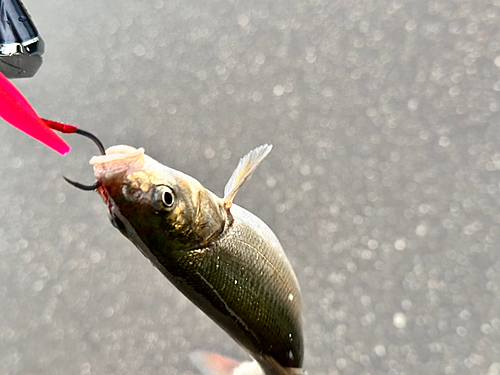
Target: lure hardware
[96, 140]
[21, 47]
[17, 111]
[70, 129]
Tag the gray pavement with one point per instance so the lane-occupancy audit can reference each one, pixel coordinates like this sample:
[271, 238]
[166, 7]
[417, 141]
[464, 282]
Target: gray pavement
[383, 185]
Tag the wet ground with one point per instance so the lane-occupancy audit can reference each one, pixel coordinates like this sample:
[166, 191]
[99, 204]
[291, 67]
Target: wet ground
[383, 184]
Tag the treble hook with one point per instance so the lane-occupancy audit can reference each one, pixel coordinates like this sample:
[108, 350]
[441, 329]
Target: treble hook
[65, 128]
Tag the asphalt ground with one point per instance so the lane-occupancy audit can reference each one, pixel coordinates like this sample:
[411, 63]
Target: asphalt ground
[383, 184]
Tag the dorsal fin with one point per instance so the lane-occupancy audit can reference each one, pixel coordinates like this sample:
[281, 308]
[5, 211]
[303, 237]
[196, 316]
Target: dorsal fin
[243, 171]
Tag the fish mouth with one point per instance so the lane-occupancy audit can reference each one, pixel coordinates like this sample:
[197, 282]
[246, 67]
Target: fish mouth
[118, 160]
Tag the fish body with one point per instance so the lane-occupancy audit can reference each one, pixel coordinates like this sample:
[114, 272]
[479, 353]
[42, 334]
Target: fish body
[220, 256]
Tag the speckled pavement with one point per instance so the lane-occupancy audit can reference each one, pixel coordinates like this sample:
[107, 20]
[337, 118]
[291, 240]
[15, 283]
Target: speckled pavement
[383, 184]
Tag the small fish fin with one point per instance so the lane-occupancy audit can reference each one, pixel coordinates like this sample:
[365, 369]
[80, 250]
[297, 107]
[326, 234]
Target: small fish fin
[243, 171]
[216, 364]
[213, 363]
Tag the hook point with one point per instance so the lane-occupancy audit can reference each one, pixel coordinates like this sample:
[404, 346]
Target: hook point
[82, 186]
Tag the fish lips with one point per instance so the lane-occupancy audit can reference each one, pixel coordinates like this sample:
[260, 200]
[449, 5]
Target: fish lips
[112, 170]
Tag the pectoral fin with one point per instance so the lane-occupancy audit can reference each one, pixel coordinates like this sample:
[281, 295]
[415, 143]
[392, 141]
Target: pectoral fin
[243, 171]
[216, 364]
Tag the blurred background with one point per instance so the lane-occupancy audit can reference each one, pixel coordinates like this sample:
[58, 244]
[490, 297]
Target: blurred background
[383, 184]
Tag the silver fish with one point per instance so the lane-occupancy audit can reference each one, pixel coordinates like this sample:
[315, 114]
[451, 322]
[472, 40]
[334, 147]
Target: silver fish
[223, 258]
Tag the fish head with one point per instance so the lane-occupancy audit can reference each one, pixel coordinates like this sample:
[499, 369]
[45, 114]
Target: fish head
[154, 205]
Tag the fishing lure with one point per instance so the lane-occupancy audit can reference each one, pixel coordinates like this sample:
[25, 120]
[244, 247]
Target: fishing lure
[17, 111]
[21, 46]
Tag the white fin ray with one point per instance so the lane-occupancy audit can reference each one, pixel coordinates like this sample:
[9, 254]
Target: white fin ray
[243, 171]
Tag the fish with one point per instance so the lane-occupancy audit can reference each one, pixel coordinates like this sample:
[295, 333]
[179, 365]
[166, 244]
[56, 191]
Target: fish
[223, 258]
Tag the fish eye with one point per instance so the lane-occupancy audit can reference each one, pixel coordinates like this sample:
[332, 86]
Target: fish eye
[166, 195]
